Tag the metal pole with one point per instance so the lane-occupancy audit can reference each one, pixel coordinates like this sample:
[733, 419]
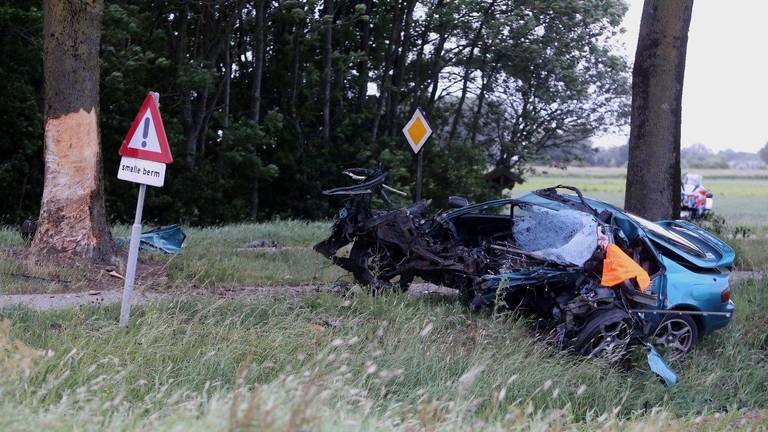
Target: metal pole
[133, 254]
[419, 164]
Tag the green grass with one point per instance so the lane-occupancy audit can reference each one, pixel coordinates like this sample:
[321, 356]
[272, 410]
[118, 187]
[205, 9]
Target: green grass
[10, 238]
[751, 254]
[212, 256]
[392, 363]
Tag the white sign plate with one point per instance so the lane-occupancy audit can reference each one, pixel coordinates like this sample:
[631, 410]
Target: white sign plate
[141, 171]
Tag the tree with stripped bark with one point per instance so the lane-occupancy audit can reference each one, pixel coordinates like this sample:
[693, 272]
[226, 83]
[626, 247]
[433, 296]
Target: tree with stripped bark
[72, 222]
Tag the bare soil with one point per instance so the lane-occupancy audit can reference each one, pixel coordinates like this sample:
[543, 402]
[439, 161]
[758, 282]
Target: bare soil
[88, 276]
[42, 302]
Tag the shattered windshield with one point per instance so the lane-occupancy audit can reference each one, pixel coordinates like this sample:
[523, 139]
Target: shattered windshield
[565, 236]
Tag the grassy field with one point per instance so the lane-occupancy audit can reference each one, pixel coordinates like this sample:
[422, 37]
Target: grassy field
[331, 362]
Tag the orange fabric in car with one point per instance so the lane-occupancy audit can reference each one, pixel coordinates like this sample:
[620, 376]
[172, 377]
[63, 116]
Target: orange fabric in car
[618, 267]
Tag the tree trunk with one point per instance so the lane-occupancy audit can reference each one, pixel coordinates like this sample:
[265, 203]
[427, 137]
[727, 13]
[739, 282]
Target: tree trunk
[254, 208]
[418, 82]
[72, 220]
[386, 79]
[227, 83]
[398, 71]
[298, 32]
[485, 87]
[258, 69]
[362, 64]
[437, 68]
[468, 71]
[327, 53]
[258, 62]
[653, 170]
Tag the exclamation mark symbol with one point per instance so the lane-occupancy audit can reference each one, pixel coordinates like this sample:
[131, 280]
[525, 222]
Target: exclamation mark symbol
[146, 132]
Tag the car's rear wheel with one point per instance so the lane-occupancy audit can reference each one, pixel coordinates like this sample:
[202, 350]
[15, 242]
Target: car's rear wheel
[607, 336]
[675, 336]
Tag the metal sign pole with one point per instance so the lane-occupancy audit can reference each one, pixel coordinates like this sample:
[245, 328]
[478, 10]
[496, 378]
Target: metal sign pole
[419, 164]
[133, 255]
[417, 131]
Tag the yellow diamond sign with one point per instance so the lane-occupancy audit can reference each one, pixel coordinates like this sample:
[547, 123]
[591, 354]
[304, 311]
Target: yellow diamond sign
[417, 131]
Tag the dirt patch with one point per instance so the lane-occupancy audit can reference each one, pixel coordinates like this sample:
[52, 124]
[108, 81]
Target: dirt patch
[20, 271]
[42, 302]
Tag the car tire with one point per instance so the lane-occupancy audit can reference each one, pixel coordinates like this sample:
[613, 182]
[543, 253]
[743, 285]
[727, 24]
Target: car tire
[675, 336]
[607, 335]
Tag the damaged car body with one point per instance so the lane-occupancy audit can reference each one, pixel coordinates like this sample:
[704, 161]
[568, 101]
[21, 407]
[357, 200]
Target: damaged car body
[544, 253]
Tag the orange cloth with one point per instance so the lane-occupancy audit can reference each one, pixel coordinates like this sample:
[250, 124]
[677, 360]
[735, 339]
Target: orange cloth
[618, 267]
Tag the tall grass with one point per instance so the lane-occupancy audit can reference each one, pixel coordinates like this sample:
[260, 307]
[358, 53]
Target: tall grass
[328, 362]
[9, 237]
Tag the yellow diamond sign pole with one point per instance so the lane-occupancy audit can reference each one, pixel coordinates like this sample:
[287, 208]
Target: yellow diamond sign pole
[417, 131]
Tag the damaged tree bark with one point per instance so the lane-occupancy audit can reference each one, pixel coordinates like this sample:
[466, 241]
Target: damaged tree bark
[72, 220]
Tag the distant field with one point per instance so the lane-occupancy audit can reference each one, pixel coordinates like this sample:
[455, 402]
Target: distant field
[622, 172]
[741, 196]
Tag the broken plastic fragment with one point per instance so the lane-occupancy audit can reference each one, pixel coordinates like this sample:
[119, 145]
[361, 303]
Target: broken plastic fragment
[659, 366]
[168, 239]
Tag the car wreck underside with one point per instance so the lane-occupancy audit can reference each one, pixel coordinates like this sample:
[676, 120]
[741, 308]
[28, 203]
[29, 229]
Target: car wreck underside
[513, 254]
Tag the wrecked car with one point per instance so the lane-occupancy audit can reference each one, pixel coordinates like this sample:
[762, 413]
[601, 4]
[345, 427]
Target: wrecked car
[597, 279]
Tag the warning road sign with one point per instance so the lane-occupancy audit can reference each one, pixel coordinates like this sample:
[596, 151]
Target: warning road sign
[144, 154]
[146, 137]
[417, 131]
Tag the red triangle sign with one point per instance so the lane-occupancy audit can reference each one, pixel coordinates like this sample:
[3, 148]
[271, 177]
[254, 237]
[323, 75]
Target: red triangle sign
[146, 138]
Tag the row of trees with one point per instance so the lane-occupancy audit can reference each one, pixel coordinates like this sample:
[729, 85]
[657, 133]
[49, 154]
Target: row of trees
[697, 156]
[264, 102]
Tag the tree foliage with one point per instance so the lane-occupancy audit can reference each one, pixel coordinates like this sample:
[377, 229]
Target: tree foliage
[265, 102]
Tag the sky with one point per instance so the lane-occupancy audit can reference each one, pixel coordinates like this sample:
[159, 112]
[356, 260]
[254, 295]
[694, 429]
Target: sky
[725, 93]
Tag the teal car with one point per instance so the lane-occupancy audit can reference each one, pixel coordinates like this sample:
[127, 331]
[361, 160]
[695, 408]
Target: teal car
[689, 297]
